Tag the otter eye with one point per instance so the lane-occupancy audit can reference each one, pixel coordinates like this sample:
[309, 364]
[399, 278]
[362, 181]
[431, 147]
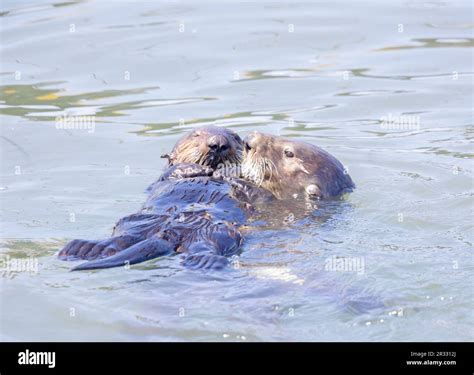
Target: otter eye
[289, 154]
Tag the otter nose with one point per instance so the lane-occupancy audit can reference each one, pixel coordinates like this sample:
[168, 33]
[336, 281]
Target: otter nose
[218, 144]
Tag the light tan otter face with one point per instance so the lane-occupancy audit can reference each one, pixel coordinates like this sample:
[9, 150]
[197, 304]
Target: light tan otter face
[292, 169]
[209, 146]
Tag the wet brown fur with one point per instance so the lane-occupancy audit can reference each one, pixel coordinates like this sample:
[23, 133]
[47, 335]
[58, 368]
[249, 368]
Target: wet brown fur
[209, 146]
[290, 168]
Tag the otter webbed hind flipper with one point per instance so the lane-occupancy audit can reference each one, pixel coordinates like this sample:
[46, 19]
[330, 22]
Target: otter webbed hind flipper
[76, 249]
[91, 250]
[140, 252]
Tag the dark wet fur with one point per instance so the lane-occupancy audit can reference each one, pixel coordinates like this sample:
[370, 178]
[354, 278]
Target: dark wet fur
[197, 216]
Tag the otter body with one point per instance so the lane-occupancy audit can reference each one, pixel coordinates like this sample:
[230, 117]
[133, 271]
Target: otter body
[198, 216]
[188, 210]
[196, 210]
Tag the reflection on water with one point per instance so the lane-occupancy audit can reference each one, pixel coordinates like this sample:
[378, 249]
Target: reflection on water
[242, 119]
[40, 103]
[434, 43]
[330, 74]
[372, 92]
[362, 72]
[268, 74]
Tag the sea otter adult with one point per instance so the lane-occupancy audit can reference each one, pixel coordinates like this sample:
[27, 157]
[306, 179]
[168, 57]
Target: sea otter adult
[291, 168]
[195, 210]
[209, 146]
[188, 211]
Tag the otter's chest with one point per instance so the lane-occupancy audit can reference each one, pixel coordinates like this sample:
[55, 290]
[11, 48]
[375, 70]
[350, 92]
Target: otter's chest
[200, 195]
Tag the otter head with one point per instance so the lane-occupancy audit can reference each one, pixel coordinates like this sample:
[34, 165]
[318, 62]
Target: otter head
[291, 169]
[209, 146]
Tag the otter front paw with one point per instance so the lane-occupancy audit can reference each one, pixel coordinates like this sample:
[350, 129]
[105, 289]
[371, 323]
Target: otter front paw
[186, 170]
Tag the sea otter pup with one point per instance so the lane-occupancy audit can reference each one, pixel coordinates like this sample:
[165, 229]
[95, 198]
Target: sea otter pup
[188, 211]
[291, 169]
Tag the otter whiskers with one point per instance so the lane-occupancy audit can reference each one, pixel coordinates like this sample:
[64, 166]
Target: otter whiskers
[257, 168]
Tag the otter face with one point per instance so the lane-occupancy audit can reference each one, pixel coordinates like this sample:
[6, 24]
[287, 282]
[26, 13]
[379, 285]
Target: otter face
[291, 169]
[209, 146]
